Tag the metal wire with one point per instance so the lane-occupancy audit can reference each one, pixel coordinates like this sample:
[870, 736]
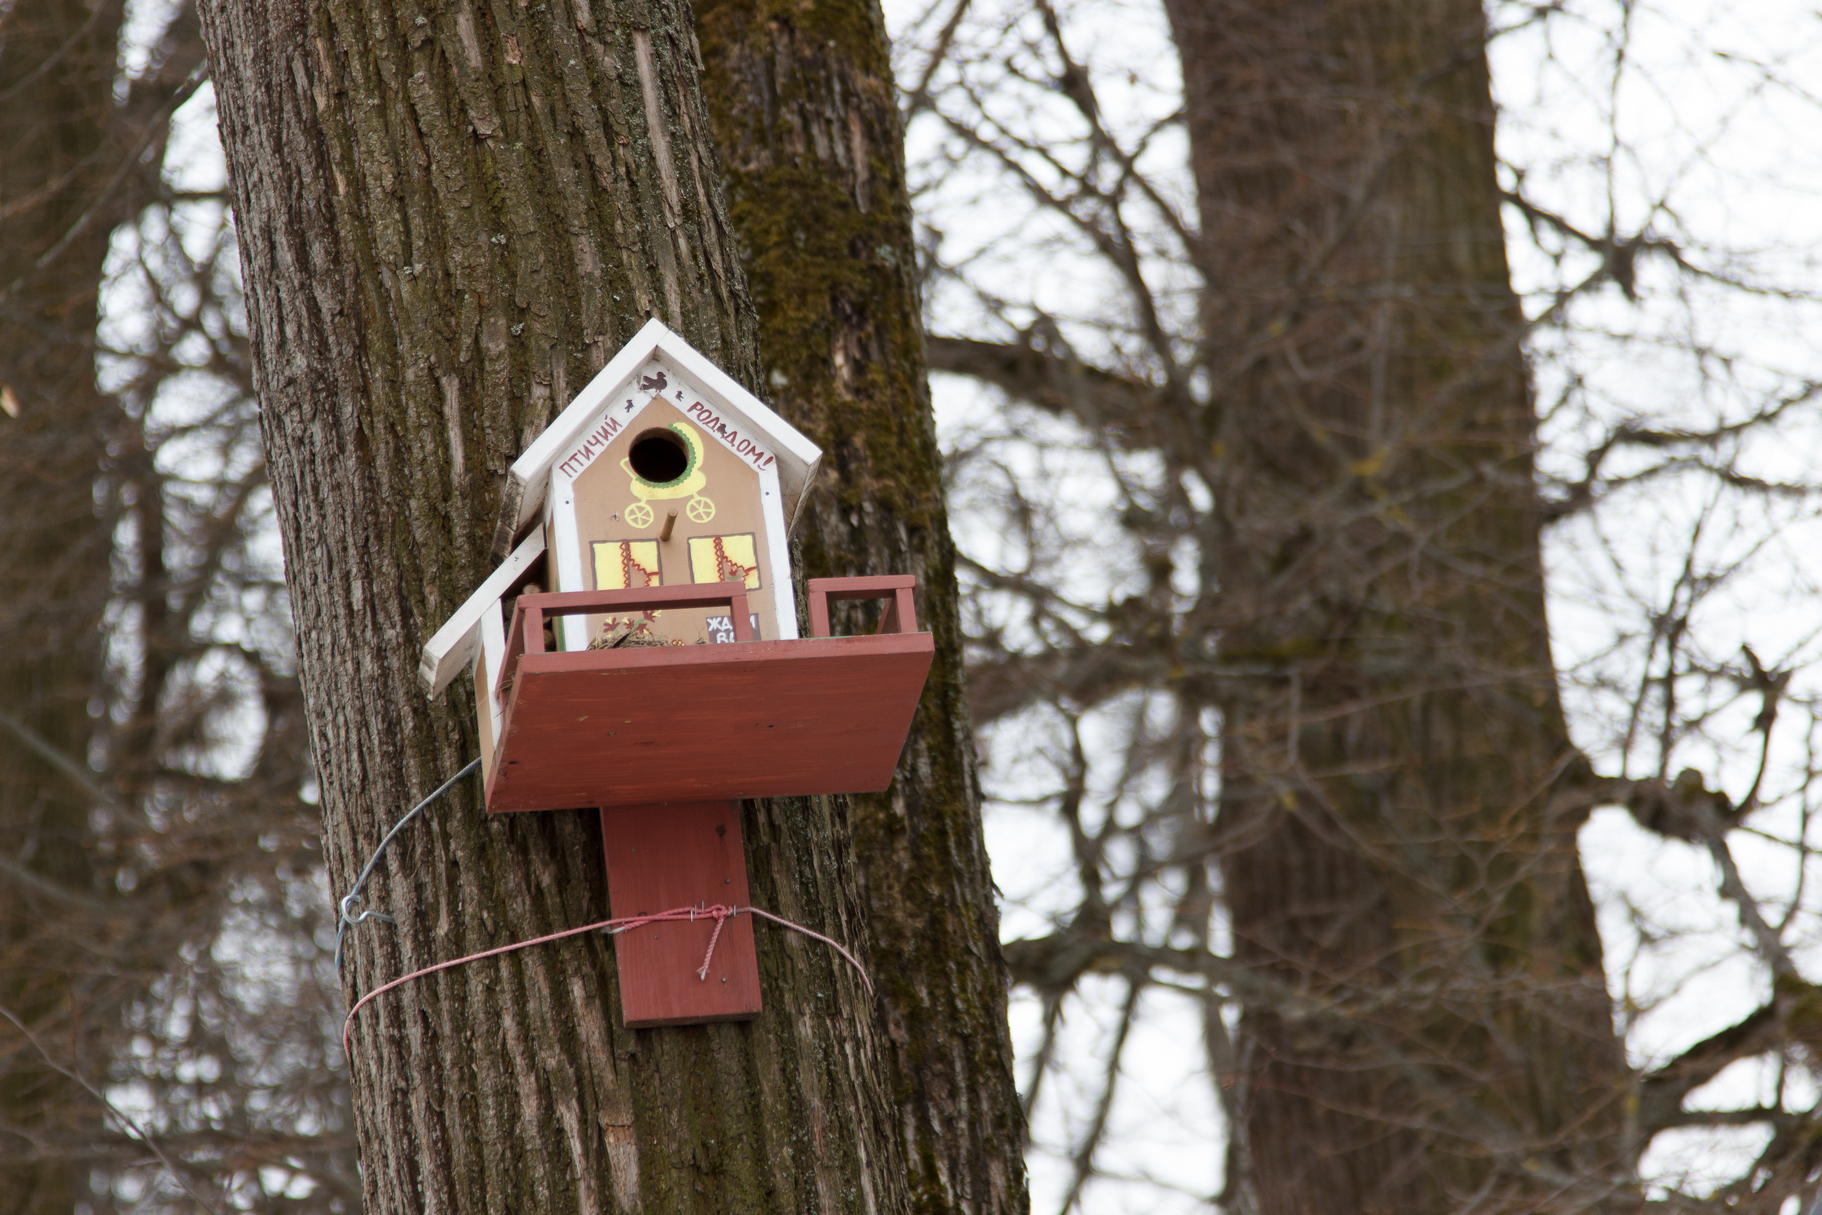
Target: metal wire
[347, 918]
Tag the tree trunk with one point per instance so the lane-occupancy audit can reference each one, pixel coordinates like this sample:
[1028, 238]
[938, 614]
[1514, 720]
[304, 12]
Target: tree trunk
[806, 119]
[1392, 846]
[57, 69]
[448, 221]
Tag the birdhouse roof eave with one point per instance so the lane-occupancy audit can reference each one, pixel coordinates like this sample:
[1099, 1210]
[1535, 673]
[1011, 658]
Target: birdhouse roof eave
[529, 477]
[450, 650]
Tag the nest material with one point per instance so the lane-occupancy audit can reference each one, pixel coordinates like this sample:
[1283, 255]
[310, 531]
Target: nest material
[615, 635]
[628, 634]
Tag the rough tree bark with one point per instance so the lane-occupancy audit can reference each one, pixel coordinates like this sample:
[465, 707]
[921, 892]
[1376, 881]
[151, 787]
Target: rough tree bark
[805, 115]
[450, 216]
[57, 71]
[1393, 842]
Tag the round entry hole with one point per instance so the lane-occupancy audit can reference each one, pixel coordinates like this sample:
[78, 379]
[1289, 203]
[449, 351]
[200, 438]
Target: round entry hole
[658, 455]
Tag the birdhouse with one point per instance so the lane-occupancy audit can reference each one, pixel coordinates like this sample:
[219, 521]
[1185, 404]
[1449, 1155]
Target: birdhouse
[638, 652]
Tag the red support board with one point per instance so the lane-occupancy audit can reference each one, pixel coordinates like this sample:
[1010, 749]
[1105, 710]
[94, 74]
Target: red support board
[660, 857]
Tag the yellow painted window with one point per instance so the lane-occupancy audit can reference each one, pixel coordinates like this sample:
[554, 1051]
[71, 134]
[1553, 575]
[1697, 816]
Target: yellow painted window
[724, 559]
[626, 564]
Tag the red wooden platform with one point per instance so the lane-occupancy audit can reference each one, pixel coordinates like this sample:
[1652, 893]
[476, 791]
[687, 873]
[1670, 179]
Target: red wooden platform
[663, 739]
[699, 723]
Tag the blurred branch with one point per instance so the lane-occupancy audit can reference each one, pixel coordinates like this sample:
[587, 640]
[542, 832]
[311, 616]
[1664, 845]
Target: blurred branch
[1661, 1091]
[1619, 255]
[80, 899]
[138, 1132]
[1688, 810]
[1121, 407]
[105, 202]
[1097, 1128]
[1592, 488]
[918, 98]
[78, 774]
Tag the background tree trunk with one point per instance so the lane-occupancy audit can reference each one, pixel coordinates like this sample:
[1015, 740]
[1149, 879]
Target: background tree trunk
[57, 70]
[1393, 842]
[805, 115]
[449, 220]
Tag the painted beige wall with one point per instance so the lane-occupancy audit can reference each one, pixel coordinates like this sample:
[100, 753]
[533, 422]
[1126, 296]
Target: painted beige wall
[604, 492]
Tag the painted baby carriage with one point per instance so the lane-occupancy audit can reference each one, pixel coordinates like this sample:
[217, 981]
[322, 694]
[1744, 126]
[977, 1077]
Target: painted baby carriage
[687, 484]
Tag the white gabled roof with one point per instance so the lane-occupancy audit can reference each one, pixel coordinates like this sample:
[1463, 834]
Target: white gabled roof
[529, 478]
[448, 654]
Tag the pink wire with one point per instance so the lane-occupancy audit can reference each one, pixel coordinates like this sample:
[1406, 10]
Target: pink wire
[719, 911]
[721, 915]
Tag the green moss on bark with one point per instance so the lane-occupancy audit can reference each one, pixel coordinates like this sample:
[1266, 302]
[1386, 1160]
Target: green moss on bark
[807, 125]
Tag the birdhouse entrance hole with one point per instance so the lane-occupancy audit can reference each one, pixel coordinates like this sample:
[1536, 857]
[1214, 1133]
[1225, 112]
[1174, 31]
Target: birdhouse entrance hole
[659, 456]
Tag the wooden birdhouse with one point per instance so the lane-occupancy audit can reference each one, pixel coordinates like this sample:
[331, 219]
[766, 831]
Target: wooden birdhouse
[638, 651]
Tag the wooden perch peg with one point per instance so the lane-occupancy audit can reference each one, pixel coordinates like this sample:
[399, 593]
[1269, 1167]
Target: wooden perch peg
[670, 521]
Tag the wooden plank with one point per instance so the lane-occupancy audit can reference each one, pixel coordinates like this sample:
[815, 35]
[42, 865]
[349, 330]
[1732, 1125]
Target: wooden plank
[702, 723]
[660, 857]
[900, 616]
[453, 646]
[865, 586]
[529, 611]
